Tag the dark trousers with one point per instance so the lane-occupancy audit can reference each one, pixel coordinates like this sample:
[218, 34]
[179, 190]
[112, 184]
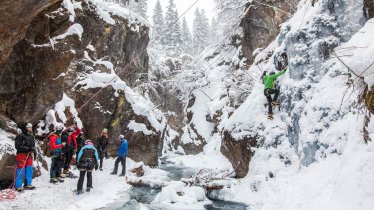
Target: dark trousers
[123, 163]
[101, 157]
[68, 156]
[56, 167]
[268, 93]
[81, 179]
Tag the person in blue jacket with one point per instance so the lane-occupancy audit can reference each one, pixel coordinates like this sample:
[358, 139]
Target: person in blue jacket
[87, 160]
[123, 151]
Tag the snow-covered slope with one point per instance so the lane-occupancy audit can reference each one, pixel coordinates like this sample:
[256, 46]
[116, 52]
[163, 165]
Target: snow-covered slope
[313, 154]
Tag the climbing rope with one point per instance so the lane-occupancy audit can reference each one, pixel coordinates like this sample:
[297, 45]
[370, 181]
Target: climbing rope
[10, 193]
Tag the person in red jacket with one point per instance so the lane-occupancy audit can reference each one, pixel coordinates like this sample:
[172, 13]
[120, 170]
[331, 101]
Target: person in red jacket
[76, 132]
[56, 146]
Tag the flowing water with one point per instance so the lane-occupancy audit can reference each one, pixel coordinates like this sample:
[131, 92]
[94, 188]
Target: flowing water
[140, 198]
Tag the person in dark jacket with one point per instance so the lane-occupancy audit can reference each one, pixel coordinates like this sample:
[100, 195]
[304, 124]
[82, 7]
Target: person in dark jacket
[87, 160]
[103, 142]
[70, 148]
[80, 142]
[56, 146]
[123, 151]
[25, 146]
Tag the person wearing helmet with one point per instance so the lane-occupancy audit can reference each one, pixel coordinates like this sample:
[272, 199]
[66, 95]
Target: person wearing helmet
[269, 83]
[87, 160]
[123, 151]
[56, 146]
[25, 146]
[103, 143]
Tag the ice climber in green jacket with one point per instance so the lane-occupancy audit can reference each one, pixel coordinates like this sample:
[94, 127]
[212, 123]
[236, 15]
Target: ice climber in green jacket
[270, 89]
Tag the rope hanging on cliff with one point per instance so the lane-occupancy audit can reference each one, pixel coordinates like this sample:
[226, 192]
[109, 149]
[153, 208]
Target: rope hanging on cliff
[272, 7]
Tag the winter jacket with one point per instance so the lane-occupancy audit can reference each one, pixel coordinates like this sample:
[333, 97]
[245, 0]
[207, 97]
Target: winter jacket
[74, 136]
[269, 79]
[24, 142]
[123, 149]
[103, 142]
[88, 157]
[80, 142]
[55, 144]
[71, 142]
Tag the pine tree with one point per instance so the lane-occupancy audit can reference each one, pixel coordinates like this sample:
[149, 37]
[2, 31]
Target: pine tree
[186, 37]
[201, 32]
[140, 7]
[173, 34]
[158, 22]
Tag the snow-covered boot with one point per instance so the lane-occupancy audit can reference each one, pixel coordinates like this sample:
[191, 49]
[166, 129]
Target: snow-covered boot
[270, 116]
[79, 192]
[60, 179]
[122, 174]
[53, 180]
[29, 187]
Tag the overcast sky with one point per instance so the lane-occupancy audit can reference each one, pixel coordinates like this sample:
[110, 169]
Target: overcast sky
[183, 5]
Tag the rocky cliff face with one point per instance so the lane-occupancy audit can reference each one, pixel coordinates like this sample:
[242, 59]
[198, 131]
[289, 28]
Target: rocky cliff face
[50, 49]
[261, 24]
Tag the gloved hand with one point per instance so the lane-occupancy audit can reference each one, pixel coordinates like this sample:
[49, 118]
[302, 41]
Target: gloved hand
[96, 167]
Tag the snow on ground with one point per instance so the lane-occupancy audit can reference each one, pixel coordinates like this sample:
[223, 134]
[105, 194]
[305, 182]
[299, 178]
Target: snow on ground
[200, 161]
[338, 182]
[106, 189]
[193, 197]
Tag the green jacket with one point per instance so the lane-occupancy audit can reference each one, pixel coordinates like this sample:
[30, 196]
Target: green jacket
[269, 79]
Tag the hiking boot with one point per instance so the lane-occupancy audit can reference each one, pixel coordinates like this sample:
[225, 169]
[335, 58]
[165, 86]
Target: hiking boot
[122, 174]
[30, 187]
[88, 189]
[270, 116]
[60, 179]
[79, 192]
[101, 169]
[66, 171]
[114, 173]
[20, 189]
[53, 180]
[62, 175]
[275, 103]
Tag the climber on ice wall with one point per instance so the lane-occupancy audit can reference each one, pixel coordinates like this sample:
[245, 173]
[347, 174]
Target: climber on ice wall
[281, 63]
